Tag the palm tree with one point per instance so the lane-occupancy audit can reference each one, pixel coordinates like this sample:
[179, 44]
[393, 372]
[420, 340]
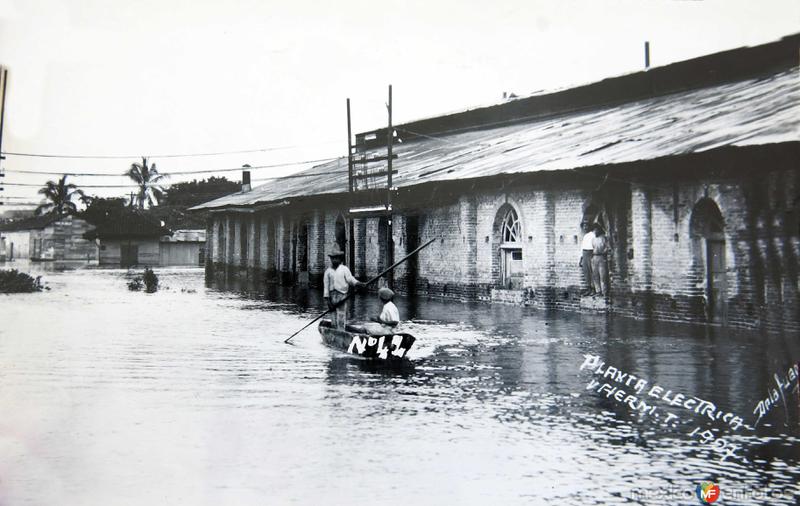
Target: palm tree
[59, 197]
[86, 200]
[147, 177]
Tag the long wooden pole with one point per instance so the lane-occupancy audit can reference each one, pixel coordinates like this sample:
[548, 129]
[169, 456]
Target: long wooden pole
[376, 278]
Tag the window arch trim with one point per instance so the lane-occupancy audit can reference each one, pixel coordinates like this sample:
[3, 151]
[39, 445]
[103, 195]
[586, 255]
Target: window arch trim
[511, 229]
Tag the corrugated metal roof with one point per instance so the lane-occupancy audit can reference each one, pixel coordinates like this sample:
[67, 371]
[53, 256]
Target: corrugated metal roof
[748, 112]
[187, 235]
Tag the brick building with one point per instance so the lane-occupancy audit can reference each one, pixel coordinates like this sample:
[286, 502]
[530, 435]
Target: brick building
[692, 168]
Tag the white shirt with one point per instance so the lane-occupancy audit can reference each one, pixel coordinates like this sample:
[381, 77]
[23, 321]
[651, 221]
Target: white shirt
[390, 313]
[586, 243]
[340, 280]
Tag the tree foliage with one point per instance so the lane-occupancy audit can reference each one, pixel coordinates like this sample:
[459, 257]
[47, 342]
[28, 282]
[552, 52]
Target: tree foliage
[192, 193]
[59, 196]
[13, 281]
[148, 179]
[174, 202]
[102, 210]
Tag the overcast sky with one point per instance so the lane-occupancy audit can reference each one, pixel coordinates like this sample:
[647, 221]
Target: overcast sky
[100, 77]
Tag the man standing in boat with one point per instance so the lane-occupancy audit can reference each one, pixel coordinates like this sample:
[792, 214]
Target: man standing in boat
[336, 284]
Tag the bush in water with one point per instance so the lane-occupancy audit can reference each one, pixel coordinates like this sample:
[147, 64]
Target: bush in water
[150, 280]
[135, 284]
[13, 281]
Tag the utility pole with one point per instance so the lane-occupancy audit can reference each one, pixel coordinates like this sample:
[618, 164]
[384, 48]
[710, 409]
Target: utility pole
[349, 150]
[389, 243]
[365, 186]
[3, 84]
[351, 244]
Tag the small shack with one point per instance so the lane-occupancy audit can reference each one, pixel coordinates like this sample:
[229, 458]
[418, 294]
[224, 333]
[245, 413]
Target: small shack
[131, 239]
[48, 237]
[183, 247]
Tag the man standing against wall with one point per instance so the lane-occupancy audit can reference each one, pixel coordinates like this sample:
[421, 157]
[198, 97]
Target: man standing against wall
[586, 258]
[600, 261]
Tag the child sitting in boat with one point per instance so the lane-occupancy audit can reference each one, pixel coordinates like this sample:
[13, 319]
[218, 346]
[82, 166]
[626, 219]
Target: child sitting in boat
[389, 319]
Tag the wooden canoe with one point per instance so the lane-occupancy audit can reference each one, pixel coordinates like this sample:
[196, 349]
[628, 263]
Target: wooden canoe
[388, 347]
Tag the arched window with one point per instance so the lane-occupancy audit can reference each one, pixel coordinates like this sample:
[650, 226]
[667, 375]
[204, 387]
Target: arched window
[511, 231]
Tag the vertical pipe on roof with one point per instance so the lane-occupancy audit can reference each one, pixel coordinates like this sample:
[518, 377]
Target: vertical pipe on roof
[246, 180]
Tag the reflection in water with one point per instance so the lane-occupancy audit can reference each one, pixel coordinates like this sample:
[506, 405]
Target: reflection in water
[189, 396]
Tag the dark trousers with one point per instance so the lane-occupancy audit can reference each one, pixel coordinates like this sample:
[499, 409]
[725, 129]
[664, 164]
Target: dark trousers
[586, 264]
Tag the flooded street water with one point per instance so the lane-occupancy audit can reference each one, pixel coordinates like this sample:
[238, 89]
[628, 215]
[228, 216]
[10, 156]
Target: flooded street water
[189, 396]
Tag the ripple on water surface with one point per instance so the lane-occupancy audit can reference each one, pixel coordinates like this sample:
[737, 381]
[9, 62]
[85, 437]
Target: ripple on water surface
[189, 396]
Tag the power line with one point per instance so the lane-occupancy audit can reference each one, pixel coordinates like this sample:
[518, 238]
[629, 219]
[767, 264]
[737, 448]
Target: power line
[272, 166]
[82, 186]
[52, 173]
[173, 173]
[274, 178]
[181, 155]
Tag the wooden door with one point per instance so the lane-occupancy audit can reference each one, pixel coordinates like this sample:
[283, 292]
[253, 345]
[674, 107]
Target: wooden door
[513, 272]
[716, 282]
[129, 255]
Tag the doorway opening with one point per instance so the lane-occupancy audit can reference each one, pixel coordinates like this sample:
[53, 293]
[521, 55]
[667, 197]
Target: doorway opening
[340, 234]
[707, 231]
[301, 247]
[128, 255]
